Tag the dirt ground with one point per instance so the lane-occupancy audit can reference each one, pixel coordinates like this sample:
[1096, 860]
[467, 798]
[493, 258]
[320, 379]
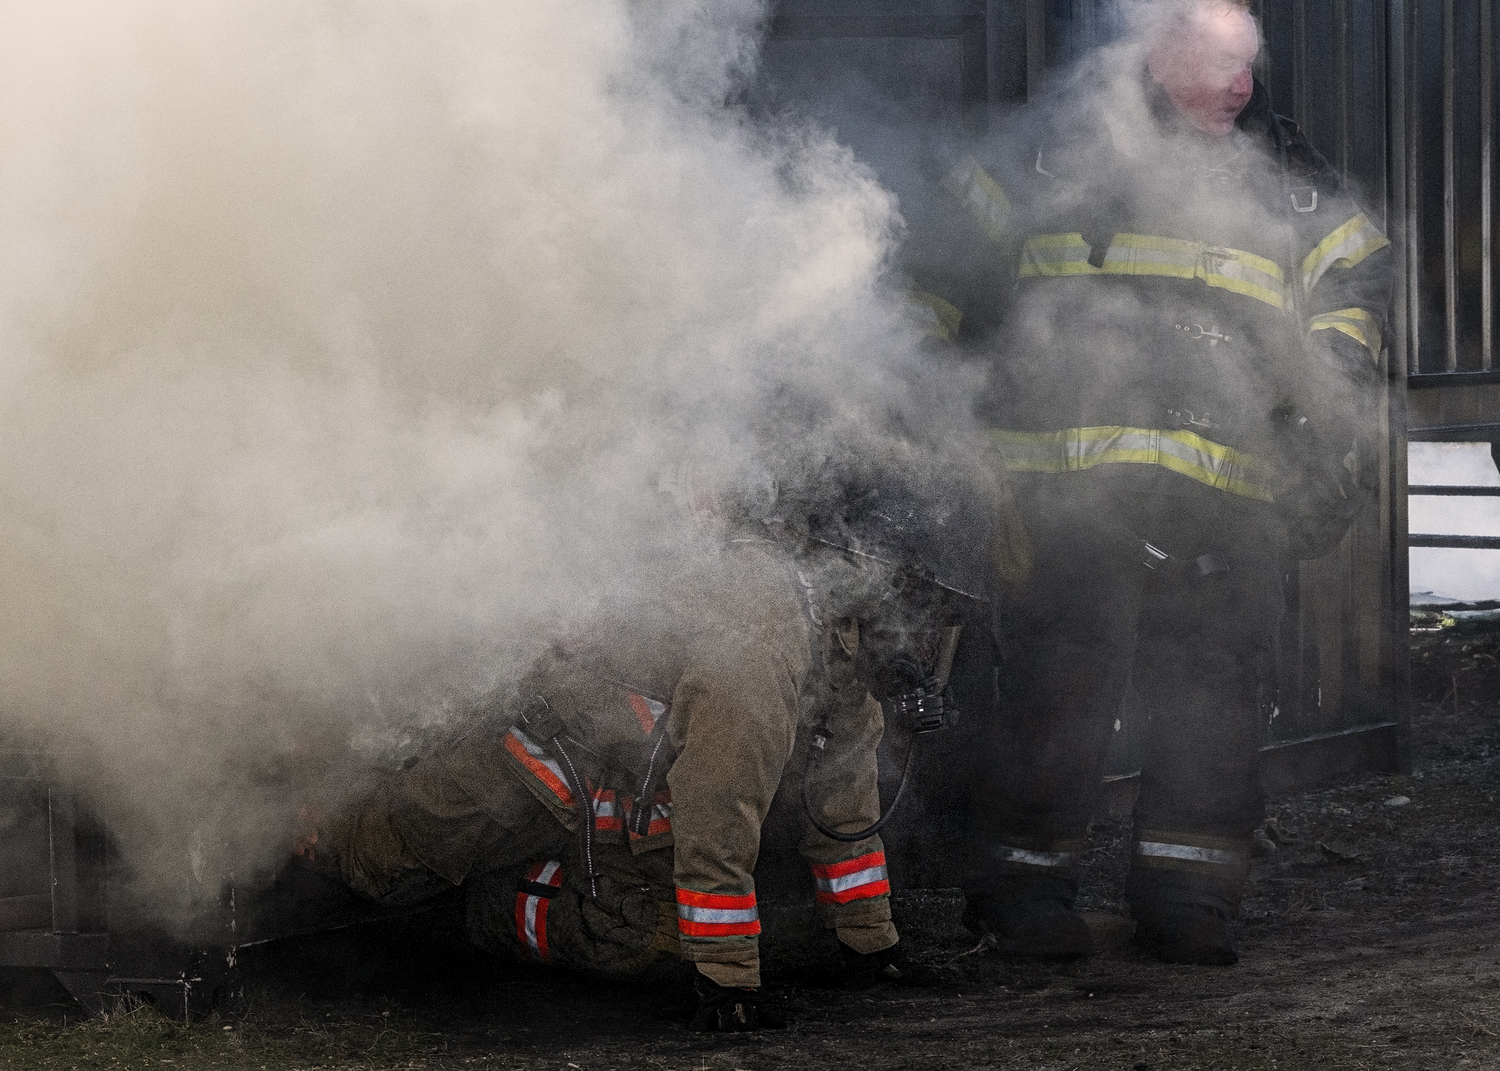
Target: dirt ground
[1368, 941]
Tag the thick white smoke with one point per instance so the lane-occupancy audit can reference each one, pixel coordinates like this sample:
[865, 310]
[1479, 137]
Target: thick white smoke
[341, 343]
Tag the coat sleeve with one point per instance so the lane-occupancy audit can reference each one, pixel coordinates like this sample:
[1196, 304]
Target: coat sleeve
[1345, 280]
[959, 251]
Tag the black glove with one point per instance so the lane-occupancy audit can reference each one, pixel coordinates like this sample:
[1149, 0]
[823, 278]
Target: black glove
[731, 1009]
[1319, 494]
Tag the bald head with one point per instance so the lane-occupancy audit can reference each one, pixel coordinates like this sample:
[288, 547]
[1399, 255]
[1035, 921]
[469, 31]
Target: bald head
[1202, 61]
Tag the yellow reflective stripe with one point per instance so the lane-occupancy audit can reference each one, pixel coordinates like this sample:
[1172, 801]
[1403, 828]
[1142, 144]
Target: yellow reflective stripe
[941, 318]
[1182, 452]
[1235, 270]
[982, 196]
[1358, 324]
[1351, 243]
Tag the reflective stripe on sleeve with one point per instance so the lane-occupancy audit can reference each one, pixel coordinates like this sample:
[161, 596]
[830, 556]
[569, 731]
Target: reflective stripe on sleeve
[1182, 452]
[533, 898]
[1234, 270]
[1350, 243]
[1358, 324]
[982, 196]
[940, 318]
[647, 711]
[709, 915]
[541, 765]
[854, 879]
[1192, 852]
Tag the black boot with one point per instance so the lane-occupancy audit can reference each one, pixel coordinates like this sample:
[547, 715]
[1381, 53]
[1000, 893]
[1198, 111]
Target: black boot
[731, 1009]
[1188, 933]
[1031, 919]
[889, 966]
[1181, 920]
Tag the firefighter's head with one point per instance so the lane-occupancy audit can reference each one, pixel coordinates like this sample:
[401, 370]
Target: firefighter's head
[877, 562]
[1201, 54]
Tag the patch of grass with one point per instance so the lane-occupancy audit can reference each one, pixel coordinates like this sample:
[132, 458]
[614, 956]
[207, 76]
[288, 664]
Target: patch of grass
[277, 1038]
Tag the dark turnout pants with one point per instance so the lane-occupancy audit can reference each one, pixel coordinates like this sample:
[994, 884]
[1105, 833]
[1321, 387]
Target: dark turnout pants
[1192, 634]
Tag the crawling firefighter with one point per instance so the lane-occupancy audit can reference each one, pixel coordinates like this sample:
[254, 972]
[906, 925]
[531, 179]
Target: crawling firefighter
[610, 812]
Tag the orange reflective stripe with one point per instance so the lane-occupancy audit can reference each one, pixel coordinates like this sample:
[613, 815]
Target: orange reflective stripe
[607, 810]
[540, 765]
[853, 879]
[532, 901]
[642, 712]
[716, 914]
[661, 815]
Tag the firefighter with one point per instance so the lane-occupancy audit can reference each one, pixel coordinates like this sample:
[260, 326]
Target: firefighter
[1181, 307]
[609, 811]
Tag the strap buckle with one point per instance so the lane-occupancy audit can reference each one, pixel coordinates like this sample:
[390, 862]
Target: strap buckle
[1199, 333]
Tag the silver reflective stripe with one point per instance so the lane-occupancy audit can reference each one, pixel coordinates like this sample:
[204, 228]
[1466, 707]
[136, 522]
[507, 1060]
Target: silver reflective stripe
[717, 916]
[539, 754]
[655, 707]
[534, 902]
[854, 880]
[1349, 244]
[1027, 857]
[1188, 853]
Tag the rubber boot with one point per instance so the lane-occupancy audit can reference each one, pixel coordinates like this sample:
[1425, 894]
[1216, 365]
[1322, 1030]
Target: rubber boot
[1030, 918]
[1185, 919]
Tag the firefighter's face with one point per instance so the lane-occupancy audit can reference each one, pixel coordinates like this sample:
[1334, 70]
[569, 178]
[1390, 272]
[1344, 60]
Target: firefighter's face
[1204, 66]
[900, 633]
[897, 654]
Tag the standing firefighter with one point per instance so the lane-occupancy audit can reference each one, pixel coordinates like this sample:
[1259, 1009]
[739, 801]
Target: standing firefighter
[1182, 307]
[611, 811]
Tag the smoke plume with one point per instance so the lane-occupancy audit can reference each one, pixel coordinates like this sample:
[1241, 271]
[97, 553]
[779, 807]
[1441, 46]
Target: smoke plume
[343, 343]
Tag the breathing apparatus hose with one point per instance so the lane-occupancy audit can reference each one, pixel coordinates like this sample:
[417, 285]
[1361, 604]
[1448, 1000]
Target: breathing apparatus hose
[868, 831]
[917, 711]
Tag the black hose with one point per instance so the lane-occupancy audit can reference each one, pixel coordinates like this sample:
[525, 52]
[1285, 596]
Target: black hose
[869, 831]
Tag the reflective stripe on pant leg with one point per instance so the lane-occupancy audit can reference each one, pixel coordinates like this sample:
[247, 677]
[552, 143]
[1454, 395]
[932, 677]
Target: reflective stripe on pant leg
[1223, 858]
[860, 878]
[710, 916]
[533, 897]
[1061, 858]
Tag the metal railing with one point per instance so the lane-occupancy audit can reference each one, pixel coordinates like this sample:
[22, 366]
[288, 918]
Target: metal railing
[1450, 82]
[1453, 542]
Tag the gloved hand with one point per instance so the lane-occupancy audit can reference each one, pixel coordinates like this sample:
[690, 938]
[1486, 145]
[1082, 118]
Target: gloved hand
[1321, 491]
[729, 1009]
[305, 830]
